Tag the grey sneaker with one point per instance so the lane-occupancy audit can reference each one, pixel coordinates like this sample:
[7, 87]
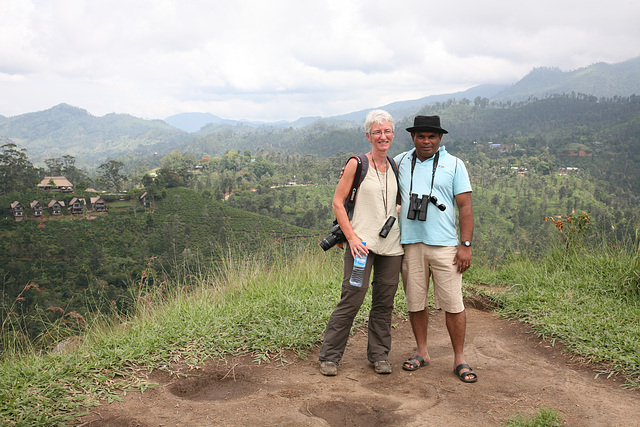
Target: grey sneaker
[382, 367]
[329, 369]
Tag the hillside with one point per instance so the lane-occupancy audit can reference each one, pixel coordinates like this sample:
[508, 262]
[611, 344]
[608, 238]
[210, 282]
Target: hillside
[601, 80]
[85, 262]
[66, 130]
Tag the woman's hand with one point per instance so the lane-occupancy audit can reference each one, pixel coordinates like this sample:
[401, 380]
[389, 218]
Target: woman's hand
[357, 247]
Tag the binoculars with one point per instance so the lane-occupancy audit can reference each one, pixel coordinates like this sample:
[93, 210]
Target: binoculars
[418, 206]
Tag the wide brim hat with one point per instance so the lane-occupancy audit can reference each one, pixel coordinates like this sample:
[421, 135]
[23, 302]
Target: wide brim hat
[426, 124]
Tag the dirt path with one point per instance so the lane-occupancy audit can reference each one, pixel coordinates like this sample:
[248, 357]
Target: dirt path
[517, 373]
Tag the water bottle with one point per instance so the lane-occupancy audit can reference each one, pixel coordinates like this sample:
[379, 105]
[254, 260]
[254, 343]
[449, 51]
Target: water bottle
[357, 274]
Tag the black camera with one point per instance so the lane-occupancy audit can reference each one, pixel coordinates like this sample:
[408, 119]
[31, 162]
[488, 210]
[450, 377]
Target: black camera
[418, 206]
[387, 227]
[335, 236]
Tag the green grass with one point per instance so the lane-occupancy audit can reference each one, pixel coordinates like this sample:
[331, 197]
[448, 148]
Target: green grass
[545, 417]
[585, 296]
[263, 305]
[278, 301]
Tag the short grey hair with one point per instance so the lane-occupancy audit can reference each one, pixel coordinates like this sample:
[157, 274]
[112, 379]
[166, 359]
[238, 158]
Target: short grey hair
[378, 116]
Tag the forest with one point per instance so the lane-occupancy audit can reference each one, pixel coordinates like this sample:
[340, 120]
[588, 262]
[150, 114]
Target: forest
[531, 164]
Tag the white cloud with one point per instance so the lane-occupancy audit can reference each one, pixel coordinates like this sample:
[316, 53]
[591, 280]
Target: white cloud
[284, 59]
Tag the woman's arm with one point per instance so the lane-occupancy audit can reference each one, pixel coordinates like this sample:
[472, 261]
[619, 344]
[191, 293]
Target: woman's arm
[342, 192]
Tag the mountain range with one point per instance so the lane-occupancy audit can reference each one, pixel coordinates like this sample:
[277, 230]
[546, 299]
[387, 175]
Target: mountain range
[601, 80]
[68, 130]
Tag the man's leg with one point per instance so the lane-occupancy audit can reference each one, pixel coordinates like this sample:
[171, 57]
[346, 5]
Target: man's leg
[457, 326]
[415, 279]
[419, 323]
[447, 290]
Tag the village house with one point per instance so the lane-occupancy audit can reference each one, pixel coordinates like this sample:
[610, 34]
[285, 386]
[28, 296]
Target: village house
[36, 208]
[56, 183]
[76, 206]
[55, 207]
[580, 153]
[502, 147]
[17, 210]
[98, 204]
[567, 170]
[144, 199]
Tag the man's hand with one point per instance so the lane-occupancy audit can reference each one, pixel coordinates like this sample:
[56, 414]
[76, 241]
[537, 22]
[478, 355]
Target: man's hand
[465, 210]
[463, 258]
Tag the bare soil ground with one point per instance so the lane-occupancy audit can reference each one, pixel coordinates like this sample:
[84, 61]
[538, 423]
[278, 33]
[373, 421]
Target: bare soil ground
[518, 373]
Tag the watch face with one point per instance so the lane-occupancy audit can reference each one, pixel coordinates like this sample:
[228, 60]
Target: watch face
[466, 243]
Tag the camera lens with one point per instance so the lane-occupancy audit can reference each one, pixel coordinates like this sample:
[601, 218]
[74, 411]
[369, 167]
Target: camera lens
[335, 236]
[328, 242]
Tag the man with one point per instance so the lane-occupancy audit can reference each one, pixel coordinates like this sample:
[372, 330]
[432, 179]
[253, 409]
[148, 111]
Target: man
[431, 180]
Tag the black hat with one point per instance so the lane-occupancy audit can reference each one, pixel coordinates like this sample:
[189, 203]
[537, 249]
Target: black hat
[426, 124]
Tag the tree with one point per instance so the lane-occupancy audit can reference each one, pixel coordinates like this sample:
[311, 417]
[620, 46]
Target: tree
[54, 166]
[110, 174]
[169, 178]
[181, 168]
[66, 166]
[16, 171]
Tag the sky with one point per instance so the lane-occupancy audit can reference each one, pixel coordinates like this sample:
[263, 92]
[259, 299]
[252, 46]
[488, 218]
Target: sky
[272, 60]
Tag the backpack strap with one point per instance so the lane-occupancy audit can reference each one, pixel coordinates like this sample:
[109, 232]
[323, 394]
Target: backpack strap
[394, 166]
[361, 172]
[362, 158]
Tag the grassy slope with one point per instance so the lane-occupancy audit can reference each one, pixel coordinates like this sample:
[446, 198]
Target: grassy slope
[587, 296]
[281, 300]
[261, 305]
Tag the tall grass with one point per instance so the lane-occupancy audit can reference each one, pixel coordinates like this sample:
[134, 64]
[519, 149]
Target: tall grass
[262, 304]
[584, 295]
[278, 300]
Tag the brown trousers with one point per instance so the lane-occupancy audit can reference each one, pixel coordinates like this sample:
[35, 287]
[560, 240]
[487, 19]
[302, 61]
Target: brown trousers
[386, 271]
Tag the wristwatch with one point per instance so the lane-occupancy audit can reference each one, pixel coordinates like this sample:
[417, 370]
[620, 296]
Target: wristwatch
[466, 243]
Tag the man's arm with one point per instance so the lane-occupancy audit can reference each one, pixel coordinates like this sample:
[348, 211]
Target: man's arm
[465, 212]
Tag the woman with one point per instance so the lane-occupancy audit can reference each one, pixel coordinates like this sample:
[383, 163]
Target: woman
[374, 205]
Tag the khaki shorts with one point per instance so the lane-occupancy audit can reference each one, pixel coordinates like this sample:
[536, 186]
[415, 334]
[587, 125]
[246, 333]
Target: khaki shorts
[422, 260]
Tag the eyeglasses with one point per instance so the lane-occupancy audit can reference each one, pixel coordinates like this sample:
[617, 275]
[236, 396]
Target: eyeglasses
[379, 132]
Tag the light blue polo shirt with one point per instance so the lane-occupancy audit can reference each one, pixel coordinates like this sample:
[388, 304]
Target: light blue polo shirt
[451, 179]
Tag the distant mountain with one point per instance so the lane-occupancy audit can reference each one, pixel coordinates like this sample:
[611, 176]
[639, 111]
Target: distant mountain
[193, 122]
[402, 109]
[67, 130]
[206, 123]
[601, 80]
[236, 125]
